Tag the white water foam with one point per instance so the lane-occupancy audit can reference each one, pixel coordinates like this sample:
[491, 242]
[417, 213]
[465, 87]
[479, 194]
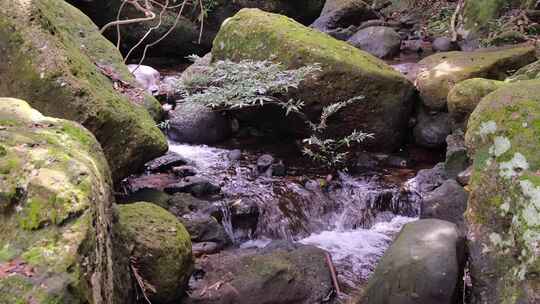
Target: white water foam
[357, 252]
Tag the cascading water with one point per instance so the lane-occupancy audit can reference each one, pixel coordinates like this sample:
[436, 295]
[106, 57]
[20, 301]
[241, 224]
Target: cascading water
[354, 218]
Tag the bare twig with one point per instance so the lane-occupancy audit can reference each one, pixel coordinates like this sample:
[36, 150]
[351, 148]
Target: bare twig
[144, 286]
[149, 15]
[163, 9]
[333, 273]
[146, 47]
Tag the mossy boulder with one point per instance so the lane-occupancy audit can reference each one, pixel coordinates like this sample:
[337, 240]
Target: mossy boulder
[423, 265]
[183, 40]
[346, 72]
[54, 57]
[528, 72]
[465, 96]
[159, 247]
[503, 215]
[55, 210]
[442, 71]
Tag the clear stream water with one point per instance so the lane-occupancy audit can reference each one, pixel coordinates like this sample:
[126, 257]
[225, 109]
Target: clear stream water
[354, 219]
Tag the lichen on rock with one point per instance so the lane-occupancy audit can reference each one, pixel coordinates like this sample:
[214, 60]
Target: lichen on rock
[503, 215]
[55, 199]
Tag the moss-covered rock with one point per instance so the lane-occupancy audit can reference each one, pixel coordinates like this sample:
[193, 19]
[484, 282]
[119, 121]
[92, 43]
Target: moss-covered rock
[55, 199]
[503, 215]
[528, 72]
[442, 71]
[346, 72]
[465, 96]
[54, 57]
[160, 248]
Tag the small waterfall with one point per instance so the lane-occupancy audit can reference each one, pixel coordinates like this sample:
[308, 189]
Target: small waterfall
[353, 217]
[226, 221]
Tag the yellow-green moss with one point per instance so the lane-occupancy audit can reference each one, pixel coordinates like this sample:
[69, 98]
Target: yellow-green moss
[465, 96]
[346, 72]
[161, 246]
[55, 207]
[442, 71]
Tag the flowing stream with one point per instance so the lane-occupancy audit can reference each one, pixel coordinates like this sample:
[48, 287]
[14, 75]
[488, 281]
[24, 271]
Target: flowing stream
[354, 218]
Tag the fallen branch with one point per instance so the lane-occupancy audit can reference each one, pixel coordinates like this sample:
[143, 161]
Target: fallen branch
[333, 273]
[144, 286]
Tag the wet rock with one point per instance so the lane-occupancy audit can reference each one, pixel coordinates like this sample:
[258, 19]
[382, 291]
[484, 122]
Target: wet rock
[343, 33]
[431, 130]
[389, 93]
[234, 155]
[146, 76]
[423, 265]
[279, 169]
[184, 171]
[69, 77]
[197, 124]
[313, 185]
[427, 180]
[198, 186]
[379, 41]
[442, 71]
[464, 177]
[154, 196]
[342, 14]
[284, 274]
[364, 162]
[443, 44]
[264, 162]
[55, 211]
[457, 159]
[157, 181]
[503, 211]
[396, 161]
[203, 248]
[165, 163]
[448, 202]
[204, 228]
[465, 96]
[244, 216]
[159, 247]
[181, 204]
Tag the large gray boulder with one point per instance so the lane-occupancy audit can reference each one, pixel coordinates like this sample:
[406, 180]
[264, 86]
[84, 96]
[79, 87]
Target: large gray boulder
[380, 41]
[423, 266]
[197, 124]
[431, 130]
[448, 202]
[340, 14]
